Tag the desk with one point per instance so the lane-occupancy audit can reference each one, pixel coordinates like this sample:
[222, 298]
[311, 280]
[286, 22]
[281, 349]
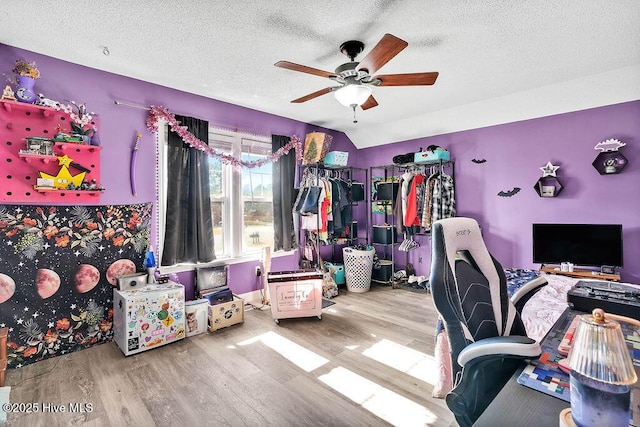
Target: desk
[518, 405]
[582, 273]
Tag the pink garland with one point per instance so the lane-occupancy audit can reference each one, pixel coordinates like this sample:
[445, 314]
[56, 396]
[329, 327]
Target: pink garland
[157, 113]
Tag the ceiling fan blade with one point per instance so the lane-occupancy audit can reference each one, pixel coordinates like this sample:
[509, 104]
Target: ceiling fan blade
[388, 47]
[303, 69]
[313, 95]
[410, 79]
[369, 103]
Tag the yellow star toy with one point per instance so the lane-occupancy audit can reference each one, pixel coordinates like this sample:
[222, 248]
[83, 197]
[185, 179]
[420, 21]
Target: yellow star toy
[64, 178]
[65, 161]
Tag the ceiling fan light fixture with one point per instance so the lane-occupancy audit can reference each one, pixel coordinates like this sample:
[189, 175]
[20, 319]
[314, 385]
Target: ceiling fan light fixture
[353, 94]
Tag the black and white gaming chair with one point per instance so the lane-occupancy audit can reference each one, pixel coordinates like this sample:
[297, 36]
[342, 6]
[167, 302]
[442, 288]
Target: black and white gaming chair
[487, 338]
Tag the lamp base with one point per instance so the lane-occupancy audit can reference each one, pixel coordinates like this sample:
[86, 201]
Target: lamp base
[566, 419]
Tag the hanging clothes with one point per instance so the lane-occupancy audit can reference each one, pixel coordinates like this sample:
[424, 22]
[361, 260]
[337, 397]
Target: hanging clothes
[397, 209]
[444, 201]
[427, 206]
[414, 197]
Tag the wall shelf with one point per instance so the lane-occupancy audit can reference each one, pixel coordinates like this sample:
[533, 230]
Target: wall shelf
[68, 147]
[10, 106]
[77, 193]
[548, 186]
[37, 158]
[609, 162]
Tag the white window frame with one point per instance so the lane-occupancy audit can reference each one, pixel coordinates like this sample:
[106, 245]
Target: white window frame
[232, 180]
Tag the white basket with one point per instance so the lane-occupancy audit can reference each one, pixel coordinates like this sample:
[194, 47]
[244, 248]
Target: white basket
[357, 267]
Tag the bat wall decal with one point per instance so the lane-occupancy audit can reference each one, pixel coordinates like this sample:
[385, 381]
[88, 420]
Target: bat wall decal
[509, 193]
[478, 161]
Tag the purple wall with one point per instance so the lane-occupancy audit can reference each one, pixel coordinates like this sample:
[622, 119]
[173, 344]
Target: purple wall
[514, 154]
[62, 81]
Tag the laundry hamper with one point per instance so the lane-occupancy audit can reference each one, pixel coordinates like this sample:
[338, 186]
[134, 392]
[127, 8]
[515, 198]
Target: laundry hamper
[358, 265]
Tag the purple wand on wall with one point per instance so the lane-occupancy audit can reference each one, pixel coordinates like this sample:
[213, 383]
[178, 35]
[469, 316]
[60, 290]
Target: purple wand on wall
[134, 155]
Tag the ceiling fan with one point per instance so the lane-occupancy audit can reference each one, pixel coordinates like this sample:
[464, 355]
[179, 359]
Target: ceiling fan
[357, 78]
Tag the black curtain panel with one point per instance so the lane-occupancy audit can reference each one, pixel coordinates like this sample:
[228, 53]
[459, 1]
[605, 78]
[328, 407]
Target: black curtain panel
[189, 226]
[284, 170]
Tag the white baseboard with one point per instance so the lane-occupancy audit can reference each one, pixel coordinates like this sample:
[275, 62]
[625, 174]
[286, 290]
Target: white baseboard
[254, 298]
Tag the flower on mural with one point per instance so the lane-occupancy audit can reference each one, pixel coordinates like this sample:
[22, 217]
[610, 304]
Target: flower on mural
[63, 324]
[62, 242]
[50, 337]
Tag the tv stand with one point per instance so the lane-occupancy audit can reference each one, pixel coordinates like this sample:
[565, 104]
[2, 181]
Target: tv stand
[581, 273]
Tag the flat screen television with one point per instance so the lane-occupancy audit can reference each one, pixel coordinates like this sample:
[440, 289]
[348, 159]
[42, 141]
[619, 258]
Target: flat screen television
[581, 244]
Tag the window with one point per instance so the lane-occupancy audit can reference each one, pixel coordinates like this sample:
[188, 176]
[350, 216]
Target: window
[241, 198]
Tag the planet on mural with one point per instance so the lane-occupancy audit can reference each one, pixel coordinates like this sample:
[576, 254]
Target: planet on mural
[7, 287]
[119, 268]
[86, 277]
[47, 283]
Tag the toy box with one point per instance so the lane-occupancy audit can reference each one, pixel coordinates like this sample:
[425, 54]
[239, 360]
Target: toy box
[226, 314]
[295, 294]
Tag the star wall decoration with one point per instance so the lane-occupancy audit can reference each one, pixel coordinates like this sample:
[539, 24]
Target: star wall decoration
[549, 170]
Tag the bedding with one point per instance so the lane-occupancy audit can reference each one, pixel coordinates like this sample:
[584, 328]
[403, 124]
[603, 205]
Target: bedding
[538, 315]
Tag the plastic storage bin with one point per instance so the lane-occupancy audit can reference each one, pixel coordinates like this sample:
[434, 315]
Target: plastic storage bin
[336, 158]
[358, 265]
[432, 156]
[384, 234]
[337, 271]
[384, 273]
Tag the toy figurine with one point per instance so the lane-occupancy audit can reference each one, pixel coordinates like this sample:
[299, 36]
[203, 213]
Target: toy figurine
[7, 93]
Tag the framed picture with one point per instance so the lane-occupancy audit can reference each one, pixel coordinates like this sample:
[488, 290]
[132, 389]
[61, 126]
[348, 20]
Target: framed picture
[196, 316]
[316, 147]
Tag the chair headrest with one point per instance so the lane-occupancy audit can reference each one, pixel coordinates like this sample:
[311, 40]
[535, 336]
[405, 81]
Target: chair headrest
[462, 234]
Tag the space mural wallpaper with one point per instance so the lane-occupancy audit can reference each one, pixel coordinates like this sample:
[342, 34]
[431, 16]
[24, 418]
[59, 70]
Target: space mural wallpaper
[58, 268]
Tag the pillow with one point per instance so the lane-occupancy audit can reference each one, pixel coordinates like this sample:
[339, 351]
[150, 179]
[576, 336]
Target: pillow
[444, 383]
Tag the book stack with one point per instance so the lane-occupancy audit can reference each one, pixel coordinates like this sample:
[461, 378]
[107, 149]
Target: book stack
[217, 295]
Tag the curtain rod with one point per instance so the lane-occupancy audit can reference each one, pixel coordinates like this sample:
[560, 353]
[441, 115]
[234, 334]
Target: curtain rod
[218, 125]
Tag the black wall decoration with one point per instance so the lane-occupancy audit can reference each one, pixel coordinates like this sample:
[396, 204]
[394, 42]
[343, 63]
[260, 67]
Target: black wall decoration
[58, 268]
[479, 161]
[509, 193]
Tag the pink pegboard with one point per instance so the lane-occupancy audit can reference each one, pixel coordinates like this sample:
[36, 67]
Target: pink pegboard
[19, 172]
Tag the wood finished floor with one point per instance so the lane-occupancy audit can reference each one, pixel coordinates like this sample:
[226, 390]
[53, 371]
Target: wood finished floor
[251, 375]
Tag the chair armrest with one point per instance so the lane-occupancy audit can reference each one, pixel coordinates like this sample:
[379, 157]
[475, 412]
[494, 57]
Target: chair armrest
[529, 289]
[515, 346]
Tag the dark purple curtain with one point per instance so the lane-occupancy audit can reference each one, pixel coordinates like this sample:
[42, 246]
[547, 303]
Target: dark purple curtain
[189, 226]
[283, 173]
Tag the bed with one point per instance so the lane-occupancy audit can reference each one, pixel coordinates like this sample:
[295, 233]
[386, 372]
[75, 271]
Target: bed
[538, 315]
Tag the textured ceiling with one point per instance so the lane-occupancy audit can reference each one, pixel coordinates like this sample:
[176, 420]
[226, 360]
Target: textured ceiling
[499, 61]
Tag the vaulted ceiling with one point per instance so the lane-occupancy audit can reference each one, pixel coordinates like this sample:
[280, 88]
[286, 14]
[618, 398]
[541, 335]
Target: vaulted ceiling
[499, 61]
